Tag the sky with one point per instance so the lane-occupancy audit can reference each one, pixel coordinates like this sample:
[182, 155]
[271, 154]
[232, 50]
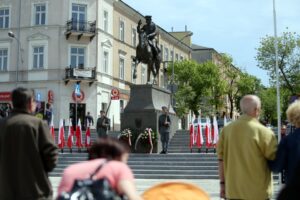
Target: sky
[234, 27]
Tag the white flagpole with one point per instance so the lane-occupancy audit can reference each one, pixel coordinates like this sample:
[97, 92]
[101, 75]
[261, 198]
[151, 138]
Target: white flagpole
[277, 76]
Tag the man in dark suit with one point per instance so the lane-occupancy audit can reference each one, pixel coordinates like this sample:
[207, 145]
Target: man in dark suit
[164, 123]
[27, 151]
[103, 124]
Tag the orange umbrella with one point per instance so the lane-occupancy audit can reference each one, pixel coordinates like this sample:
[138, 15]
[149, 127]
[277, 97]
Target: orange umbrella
[175, 191]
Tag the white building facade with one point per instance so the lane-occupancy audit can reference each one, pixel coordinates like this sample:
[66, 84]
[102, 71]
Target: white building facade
[57, 44]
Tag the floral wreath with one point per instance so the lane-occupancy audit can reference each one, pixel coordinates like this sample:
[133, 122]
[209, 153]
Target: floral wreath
[126, 133]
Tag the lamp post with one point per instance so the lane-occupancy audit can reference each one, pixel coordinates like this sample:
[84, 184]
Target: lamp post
[12, 35]
[172, 79]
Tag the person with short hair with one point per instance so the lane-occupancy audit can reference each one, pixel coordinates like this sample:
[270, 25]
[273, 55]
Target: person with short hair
[288, 153]
[27, 151]
[103, 124]
[115, 170]
[164, 123]
[243, 149]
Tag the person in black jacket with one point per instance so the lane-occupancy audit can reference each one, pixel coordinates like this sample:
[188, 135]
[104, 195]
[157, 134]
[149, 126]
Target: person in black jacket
[164, 123]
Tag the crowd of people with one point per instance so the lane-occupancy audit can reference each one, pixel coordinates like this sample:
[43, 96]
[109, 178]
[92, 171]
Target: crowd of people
[247, 151]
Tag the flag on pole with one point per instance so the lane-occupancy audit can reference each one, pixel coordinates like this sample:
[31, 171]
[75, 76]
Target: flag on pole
[52, 129]
[88, 136]
[215, 133]
[70, 134]
[61, 134]
[199, 134]
[191, 135]
[78, 135]
[208, 133]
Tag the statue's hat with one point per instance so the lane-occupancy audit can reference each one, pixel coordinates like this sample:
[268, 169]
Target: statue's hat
[148, 17]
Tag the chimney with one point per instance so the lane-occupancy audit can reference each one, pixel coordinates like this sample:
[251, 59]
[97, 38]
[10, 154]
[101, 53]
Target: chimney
[185, 28]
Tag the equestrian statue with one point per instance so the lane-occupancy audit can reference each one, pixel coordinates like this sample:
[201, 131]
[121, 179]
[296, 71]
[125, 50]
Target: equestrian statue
[147, 50]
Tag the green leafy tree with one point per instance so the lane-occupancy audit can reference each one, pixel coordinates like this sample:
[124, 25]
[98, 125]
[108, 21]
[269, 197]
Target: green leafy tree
[268, 98]
[288, 60]
[238, 83]
[195, 81]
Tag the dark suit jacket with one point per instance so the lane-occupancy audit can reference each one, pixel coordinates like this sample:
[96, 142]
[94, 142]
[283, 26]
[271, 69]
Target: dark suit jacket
[103, 124]
[27, 153]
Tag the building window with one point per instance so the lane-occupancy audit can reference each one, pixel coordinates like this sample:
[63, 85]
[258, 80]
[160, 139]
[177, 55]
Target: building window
[38, 57]
[4, 17]
[105, 62]
[172, 55]
[166, 54]
[162, 50]
[122, 66]
[133, 37]
[181, 58]
[132, 70]
[40, 14]
[78, 16]
[3, 59]
[122, 30]
[77, 57]
[176, 56]
[105, 21]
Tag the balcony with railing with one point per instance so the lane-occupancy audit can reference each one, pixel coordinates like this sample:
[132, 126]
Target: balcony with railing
[80, 74]
[81, 29]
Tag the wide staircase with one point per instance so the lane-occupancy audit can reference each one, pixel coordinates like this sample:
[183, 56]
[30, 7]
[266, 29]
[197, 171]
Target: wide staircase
[179, 163]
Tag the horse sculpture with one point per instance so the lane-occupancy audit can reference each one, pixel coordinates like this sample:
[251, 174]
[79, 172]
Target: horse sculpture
[144, 54]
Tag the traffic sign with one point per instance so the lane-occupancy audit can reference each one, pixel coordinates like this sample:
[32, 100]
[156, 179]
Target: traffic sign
[115, 94]
[77, 89]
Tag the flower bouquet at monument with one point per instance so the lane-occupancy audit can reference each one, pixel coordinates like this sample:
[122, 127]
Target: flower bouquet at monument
[147, 137]
[125, 136]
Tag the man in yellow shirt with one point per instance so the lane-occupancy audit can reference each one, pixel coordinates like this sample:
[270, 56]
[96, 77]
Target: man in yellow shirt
[243, 149]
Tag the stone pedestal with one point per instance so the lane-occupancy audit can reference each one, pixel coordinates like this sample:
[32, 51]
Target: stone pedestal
[144, 109]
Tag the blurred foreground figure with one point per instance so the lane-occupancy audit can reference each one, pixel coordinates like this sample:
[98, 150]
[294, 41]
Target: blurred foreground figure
[175, 191]
[27, 151]
[112, 156]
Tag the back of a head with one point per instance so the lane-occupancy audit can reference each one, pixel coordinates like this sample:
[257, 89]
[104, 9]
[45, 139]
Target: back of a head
[21, 97]
[109, 148]
[293, 113]
[249, 103]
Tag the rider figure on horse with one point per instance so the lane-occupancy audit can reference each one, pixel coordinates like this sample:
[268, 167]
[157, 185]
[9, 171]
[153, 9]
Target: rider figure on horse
[150, 29]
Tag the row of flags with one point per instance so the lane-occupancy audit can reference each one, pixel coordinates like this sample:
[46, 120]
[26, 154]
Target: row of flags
[77, 133]
[211, 132]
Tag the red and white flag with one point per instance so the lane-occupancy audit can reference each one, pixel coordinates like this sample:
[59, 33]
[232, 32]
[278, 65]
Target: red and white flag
[199, 134]
[78, 135]
[88, 136]
[191, 135]
[52, 129]
[208, 133]
[215, 132]
[70, 134]
[61, 134]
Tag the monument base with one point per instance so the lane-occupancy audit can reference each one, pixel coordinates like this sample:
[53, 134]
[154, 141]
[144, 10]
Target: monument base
[144, 109]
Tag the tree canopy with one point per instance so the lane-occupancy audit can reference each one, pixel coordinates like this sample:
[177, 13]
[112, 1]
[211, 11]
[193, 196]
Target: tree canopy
[288, 59]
